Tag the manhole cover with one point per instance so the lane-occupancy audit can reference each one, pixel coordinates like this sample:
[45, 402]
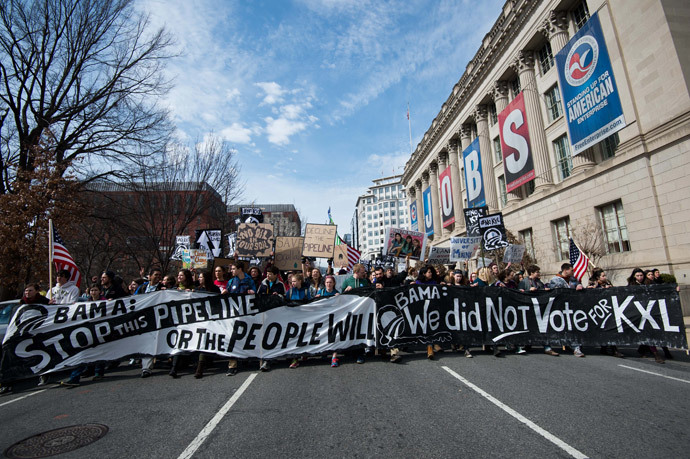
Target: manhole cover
[57, 441]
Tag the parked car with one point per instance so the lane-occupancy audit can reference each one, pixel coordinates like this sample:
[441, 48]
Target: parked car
[7, 310]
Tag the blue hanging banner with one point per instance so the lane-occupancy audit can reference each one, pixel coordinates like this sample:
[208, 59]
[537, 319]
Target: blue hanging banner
[474, 182]
[590, 96]
[428, 212]
[414, 224]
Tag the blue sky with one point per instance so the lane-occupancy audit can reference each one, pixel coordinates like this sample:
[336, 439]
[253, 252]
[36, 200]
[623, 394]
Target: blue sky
[313, 93]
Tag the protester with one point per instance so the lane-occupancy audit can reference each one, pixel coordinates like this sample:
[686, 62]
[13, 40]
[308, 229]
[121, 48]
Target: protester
[221, 277]
[657, 276]
[239, 284]
[316, 282]
[428, 276]
[271, 285]
[357, 280]
[649, 277]
[484, 277]
[255, 273]
[135, 285]
[533, 283]
[563, 280]
[154, 283]
[110, 287]
[185, 281]
[65, 290]
[32, 295]
[169, 282]
[637, 277]
[206, 283]
[329, 290]
[94, 294]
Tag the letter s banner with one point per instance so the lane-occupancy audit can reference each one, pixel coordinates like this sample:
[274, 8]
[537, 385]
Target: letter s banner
[515, 144]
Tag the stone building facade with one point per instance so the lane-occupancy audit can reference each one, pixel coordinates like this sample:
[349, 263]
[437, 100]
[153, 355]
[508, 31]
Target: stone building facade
[628, 194]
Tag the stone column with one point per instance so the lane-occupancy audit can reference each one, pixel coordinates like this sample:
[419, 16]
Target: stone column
[583, 161]
[555, 28]
[480, 117]
[465, 137]
[433, 181]
[524, 65]
[501, 102]
[420, 205]
[453, 155]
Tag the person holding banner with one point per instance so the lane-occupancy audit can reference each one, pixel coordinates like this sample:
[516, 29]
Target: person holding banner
[221, 280]
[240, 284]
[112, 290]
[357, 280]
[428, 276]
[65, 290]
[329, 290]
[271, 285]
[316, 282]
[563, 280]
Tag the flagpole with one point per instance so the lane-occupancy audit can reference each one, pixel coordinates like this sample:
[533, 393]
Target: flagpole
[50, 256]
[409, 126]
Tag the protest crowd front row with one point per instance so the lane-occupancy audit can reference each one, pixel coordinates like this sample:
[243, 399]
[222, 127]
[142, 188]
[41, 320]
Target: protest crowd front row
[308, 284]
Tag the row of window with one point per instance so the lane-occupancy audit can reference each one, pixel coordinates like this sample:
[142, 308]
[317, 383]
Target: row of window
[614, 233]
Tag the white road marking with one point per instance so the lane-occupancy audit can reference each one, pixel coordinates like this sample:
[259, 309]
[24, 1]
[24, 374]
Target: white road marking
[655, 374]
[22, 397]
[206, 431]
[549, 436]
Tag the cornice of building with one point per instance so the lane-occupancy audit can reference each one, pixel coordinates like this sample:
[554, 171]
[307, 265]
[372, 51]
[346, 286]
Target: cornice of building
[506, 28]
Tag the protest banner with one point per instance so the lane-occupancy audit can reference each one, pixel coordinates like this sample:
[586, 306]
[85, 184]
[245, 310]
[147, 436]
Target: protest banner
[400, 242]
[428, 212]
[493, 232]
[514, 253]
[251, 215]
[439, 255]
[319, 240]
[516, 149]
[472, 159]
[254, 240]
[472, 217]
[463, 248]
[288, 256]
[445, 188]
[232, 244]
[42, 339]
[210, 241]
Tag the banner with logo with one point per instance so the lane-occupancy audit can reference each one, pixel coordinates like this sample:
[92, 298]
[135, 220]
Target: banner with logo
[515, 144]
[42, 339]
[446, 196]
[414, 223]
[428, 212]
[474, 182]
[251, 215]
[590, 96]
[181, 243]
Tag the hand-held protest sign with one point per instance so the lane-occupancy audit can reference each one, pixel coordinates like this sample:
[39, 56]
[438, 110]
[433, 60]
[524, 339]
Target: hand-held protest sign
[439, 255]
[401, 242]
[463, 248]
[251, 215]
[254, 240]
[514, 253]
[319, 240]
[340, 257]
[181, 243]
[210, 241]
[493, 232]
[288, 254]
[472, 217]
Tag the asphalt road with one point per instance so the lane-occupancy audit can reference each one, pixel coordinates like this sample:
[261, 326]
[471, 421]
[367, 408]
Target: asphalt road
[517, 406]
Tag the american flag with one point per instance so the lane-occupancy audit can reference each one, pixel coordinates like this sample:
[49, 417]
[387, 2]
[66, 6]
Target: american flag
[353, 256]
[579, 261]
[63, 260]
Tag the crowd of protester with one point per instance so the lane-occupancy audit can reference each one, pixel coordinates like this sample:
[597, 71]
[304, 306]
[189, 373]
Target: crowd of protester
[309, 283]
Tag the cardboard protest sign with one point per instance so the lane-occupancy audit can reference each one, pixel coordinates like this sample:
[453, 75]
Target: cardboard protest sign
[209, 240]
[514, 253]
[439, 255]
[472, 217]
[319, 240]
[222, 262]
[232, 244]
[463, 248]
[288, 255]
[493, 232]
[194, 258]
[340, 256]
[401, 242]
[254, 240]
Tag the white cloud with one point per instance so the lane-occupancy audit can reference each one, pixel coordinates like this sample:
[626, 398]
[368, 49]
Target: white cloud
[273, 93]
[280, 130]
[237, 133]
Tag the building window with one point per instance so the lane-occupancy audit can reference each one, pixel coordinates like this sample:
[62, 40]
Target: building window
[502, 189]
[563, 159]
[545, 58]
[615, 230]
[529, 188]
[526, 238]
[561, 230]
[515, 87]
[552, 98]
[609, 145]
[580, 15]
[493, 116]
[498, 156]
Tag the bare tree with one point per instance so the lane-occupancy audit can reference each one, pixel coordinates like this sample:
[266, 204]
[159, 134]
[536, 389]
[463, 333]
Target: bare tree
[171, 193]
[89, 71]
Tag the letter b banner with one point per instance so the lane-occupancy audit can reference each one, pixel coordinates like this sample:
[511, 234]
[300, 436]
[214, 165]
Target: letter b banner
[473, 175]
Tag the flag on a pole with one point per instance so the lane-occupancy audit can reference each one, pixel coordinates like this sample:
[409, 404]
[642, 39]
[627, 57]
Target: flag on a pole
[63, 260]
[353, 256]
[338, 241]
[579, 261]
